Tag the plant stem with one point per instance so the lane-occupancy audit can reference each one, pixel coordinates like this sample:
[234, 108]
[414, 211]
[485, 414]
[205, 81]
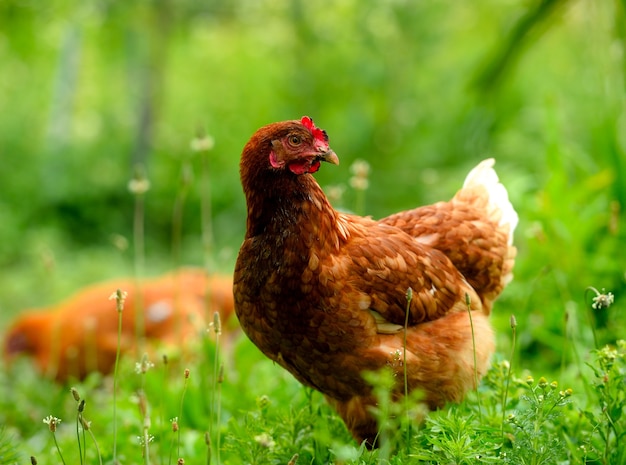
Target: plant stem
[80, 448]
[508, 374]
[146, 441]
[220, 379]
[409, 299]
[592, 323]
[180, 410]
[54, 436]
[138, 186]
[138, 232]
[205, 208]
[469, 312]
[215, 392]
[119, 298]
[177, 234]
[93, 438]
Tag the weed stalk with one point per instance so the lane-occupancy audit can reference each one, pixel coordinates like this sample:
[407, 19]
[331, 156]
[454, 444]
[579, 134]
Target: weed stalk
[138, 186]
[203, 144]
[82, 452]
[505, 394]
[178, 211]
[409, 299]
[144, 408]
[218, 415]
[165, 378]
[359, 182]
[218, 374]
[180, 409]
[601, 301]
[120, 297]
[86, 428]
[207, 441]
[53, 423]
[469, 312]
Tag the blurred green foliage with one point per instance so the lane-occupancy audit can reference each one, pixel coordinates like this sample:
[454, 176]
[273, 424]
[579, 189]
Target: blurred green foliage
[421, 90]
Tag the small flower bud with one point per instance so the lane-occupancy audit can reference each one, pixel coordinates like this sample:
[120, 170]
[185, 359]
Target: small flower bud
[120, 297]
[334, 193]
[52, 422]
[119, 242]
[265, 440]
[543, 383]
[141, 368]
[513, 321]
[186, 373]
[86, 424]
[360, 168]
[359, 184]
[217, 325]
[602, 301]
[139, 184]
[530, 380]
[145, 439]
[202, 143]
[75, 394]
[262, 402]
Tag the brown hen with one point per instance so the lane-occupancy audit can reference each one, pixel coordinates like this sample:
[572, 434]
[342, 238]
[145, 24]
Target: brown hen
[323, 293]
[80, 335]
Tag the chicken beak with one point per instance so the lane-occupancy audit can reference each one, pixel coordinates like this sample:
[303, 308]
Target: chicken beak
[330, 157]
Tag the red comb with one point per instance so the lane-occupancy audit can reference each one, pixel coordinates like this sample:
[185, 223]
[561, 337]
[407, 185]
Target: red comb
[318, 134]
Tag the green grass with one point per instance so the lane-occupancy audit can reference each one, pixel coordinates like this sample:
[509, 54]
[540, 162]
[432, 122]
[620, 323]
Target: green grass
[164, 414]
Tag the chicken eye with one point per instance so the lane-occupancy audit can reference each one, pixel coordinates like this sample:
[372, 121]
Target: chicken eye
[295, 140]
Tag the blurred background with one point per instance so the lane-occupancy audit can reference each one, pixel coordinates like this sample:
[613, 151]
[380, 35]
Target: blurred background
[97, 93]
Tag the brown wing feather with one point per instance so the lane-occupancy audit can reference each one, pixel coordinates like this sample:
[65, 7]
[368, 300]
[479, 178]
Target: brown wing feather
[473, 242]
[385, 262]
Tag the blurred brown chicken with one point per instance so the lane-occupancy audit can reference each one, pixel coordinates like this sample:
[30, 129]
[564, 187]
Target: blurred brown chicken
[80, 335]
[324, 293]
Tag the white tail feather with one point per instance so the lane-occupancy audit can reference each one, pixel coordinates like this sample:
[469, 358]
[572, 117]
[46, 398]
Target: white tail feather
[484, 175]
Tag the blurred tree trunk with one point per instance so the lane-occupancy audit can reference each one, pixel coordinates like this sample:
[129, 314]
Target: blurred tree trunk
[64, 91]
[148, 45]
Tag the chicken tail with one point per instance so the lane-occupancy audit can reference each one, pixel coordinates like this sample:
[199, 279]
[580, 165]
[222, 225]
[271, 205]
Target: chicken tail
[474, 230]
[484, 192]
[483, 176]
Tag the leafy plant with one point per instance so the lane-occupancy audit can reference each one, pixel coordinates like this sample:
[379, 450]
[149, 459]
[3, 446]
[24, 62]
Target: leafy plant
[605, 437]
